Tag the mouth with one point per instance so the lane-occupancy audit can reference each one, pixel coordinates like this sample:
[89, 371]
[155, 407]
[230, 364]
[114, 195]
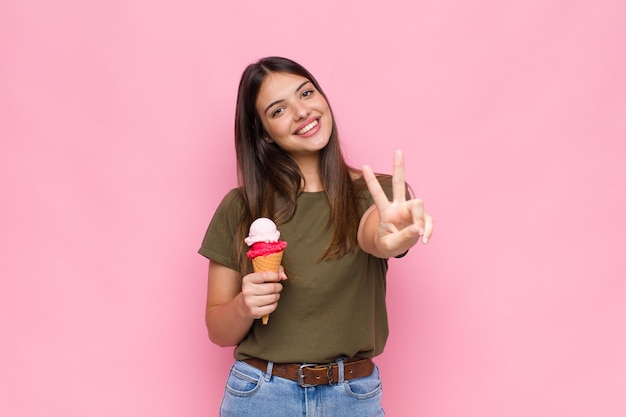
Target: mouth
[308, 127]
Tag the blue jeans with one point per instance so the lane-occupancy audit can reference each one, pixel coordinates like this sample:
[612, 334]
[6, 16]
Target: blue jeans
[251, 392]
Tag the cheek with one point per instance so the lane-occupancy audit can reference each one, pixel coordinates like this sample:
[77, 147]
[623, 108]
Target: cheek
[327, 112]
[329, 122]
[279, 127]
[268, 126]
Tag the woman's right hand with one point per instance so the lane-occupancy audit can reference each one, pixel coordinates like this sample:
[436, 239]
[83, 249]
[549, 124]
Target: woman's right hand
[261, 292]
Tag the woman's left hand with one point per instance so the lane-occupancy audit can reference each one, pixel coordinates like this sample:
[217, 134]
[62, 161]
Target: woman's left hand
[390, 228]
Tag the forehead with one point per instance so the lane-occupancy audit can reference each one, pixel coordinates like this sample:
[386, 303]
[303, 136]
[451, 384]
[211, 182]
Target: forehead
[278, 86]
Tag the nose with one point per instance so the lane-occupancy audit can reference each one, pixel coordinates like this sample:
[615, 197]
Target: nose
[301, 111]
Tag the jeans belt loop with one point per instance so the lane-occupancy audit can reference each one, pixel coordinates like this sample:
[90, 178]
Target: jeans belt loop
[340, 372]
[268, 372]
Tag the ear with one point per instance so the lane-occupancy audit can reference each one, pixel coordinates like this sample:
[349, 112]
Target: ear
[268, 139]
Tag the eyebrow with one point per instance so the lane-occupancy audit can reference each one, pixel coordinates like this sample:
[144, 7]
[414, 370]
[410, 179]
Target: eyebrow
[278, 101]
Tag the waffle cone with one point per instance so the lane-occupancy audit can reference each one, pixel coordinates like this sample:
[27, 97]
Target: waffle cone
[267, 263]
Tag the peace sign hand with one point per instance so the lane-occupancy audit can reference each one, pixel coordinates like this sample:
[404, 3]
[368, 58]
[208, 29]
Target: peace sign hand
[390, 228]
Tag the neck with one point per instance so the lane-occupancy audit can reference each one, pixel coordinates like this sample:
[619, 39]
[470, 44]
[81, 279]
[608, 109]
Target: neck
[310, 171]
[312, 187]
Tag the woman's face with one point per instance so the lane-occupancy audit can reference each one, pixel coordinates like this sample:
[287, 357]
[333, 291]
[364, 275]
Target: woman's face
[294, 114]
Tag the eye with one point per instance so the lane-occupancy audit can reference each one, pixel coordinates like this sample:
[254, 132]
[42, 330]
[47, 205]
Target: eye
[308, 93]
[277, 112]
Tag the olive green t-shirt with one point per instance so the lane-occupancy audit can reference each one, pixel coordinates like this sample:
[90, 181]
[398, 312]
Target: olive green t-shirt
[327, 309]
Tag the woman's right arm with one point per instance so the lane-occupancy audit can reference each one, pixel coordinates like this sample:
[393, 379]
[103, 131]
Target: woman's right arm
[233, 303]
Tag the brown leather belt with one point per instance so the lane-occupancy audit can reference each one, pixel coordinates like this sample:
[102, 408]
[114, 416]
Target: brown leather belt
[309, 375]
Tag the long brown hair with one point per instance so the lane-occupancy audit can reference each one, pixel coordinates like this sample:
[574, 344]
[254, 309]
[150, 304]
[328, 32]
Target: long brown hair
[270, 179]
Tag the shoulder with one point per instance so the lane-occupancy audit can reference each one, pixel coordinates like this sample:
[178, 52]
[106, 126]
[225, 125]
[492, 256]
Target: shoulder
[385, 180]
[233, 199]
[231, 209]
[361, 187]
[362, 193]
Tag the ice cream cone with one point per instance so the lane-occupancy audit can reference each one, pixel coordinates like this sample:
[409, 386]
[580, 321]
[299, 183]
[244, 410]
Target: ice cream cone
[267, 263]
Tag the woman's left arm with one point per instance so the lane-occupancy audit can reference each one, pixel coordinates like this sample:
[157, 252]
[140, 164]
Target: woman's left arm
[390, 228]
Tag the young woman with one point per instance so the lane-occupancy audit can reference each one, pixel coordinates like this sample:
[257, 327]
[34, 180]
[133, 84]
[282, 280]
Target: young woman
[327, 303]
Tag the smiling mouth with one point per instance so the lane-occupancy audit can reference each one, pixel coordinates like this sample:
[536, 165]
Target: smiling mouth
[308, 127]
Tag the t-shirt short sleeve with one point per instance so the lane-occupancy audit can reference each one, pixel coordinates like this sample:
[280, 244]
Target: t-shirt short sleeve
[219, 240]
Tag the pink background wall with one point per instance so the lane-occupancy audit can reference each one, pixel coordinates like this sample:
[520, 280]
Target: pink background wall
[116, 146]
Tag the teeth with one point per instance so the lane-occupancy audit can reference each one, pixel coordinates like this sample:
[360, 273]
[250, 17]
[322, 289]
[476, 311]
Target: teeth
[307, 127]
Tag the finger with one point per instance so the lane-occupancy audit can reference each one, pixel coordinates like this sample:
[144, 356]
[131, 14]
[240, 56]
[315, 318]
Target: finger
[376, 191]
[269, 290]
[265, 276]
[396, 240]
[417, 213]
[397, 180]
[429, 225]
[265, 305]
[281, 272]
[265, 310]
[263, 294]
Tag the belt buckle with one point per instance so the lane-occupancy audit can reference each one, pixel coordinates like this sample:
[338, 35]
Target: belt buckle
[301, 374]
